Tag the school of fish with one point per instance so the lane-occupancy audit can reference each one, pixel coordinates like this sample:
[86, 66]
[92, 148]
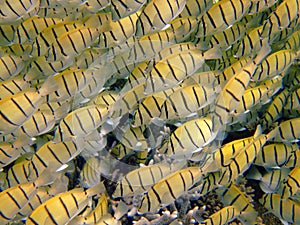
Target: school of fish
[132, 111]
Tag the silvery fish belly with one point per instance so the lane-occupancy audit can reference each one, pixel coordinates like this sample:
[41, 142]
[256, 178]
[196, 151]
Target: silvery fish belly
[149, 112]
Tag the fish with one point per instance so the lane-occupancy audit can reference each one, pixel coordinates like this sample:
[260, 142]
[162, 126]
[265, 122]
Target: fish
[224, 76]
[166, 190]
[156, 15]
[291, 185]
[281, 18]
[11, 65]
[231, 195]
[119, 31]
[100, 210]
[230, 96]
[195, 8]
[187, 101]
[39, 68]
[7, 34]
[222, 15]
[140, 180]
[293, 41]
[293, 161]
[39, 123]
[48, 36]
[23, 105]
[53, 157]
[285, 209]
[61, 208]
[287, 131]
[275, 155]
[242, 161]
[148, 110]
[222, 216]
[90, 174]
[70, 82]
[190, 137]
[251, 42]
[275, 108]
[81, 122]
[42, 195]
[293, 102]
[121, 9]
[16, 197]
[133, 138]
[270, 180]
[274, 64]
[94, 6]
[225, 39]
[30, 28]
[223, 155]
[72, 43]
[260, 6]
[12, 86]
[172, 69]
[208, 183]
[260, 94]
[12, 11]
[127, 101]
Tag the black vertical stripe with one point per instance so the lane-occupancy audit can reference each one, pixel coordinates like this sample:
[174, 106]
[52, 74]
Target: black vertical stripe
[170, 189]
[65, 207]
[223, 15]
[50, 215]
[156, 194]
[211, 20]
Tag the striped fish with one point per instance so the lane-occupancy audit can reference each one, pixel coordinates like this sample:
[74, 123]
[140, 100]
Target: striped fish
[61, 208]
[225, 39]
[231, 94]
[195, 8]
[291, 184]
[285, 209]
[119, 31]
[169, 189]
[72, 43]
[81, 122]
[281, 18]
[242, 161]
[7, 34]
[16, 197]
[48, 36]
[157, 14]
[23, 105]
[52, 157]
[10, 65]
[140, 180]
[12, 11]
[30, 28]
[172, 69]
[275, 64]
[189, 137]
[274, 110]
[222, 15]
[293, 101]
[187, 101]
[288, 131]
[222, 216]
[275, 155]
[121, 8]
[233, 196]
[12, 86]
[100, 210]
